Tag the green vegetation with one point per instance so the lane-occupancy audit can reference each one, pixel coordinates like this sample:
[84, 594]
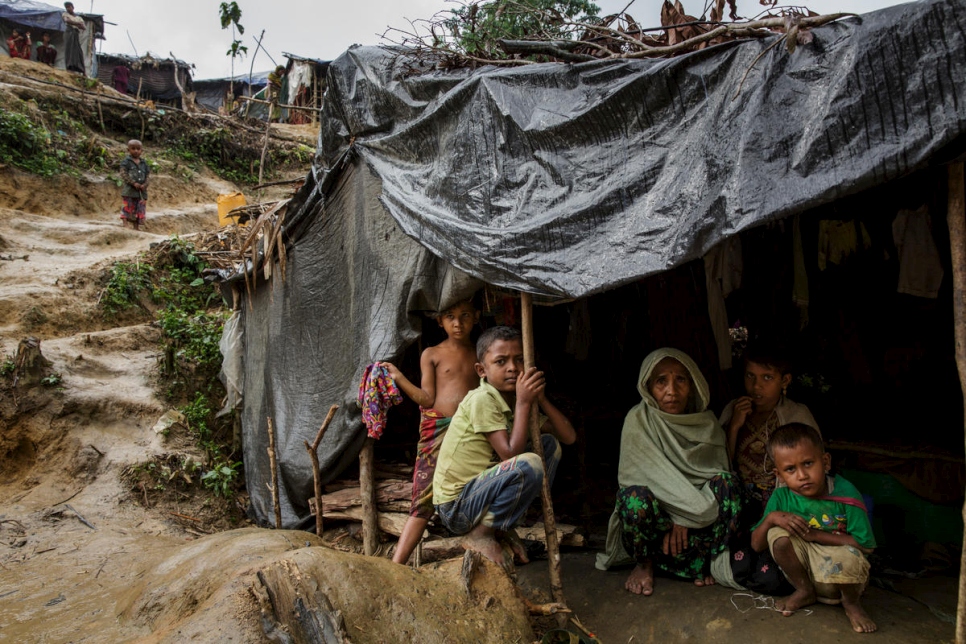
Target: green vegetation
[127, 282]
[191, 316]
[476, 27]
[222, 478]
[26, 145]
[7, 366]
[52, 380]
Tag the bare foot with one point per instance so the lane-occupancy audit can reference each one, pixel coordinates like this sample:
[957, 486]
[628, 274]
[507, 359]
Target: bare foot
[641, 579]
[512, 539]
[861, 622]
[798, 599]
[708, 580]
[481, 540]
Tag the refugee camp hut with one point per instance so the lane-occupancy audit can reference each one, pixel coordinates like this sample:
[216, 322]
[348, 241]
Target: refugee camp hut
[304, 86]
[151, 78]
[655, 203]
[300, 96]
[40, 18]
[213, 93]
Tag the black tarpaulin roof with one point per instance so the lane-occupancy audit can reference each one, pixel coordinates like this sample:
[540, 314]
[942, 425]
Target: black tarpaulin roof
[566, 180]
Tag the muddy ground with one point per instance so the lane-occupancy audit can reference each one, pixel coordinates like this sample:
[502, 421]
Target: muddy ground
[86, 558]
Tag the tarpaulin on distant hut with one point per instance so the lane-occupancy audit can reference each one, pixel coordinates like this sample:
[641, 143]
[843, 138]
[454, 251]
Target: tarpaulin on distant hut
[565, 180]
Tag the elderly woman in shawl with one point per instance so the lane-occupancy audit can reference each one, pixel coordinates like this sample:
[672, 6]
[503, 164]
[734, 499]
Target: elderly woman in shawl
[677, 503]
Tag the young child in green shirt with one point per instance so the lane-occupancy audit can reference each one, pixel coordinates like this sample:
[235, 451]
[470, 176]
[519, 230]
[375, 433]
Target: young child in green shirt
[817, 528]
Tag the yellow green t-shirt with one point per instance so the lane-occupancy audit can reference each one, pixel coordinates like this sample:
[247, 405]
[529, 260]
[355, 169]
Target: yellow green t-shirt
[466, 451]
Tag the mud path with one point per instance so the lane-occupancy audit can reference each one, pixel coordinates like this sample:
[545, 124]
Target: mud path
[71, 442]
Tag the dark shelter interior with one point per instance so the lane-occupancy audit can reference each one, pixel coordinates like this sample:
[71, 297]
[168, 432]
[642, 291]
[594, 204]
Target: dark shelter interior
[876, 366]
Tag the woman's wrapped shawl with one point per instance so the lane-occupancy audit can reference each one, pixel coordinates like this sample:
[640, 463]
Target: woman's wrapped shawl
[673, 455]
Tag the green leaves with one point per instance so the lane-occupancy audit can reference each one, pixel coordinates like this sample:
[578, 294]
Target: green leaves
[230, 14]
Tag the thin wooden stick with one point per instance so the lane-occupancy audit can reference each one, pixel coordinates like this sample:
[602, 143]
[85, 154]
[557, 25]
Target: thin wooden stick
[80, 517]
[367, 489]
[274, 466]
[549, 521]
[313, 451]
[268, 130]
[956, 218]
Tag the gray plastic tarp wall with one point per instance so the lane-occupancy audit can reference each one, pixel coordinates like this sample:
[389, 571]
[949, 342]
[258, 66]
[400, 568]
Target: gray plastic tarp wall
[566, 180]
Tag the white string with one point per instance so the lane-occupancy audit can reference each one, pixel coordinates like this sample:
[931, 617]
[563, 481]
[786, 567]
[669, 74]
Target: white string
[762, 602]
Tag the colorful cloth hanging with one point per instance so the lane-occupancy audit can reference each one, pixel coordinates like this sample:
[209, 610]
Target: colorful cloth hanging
[377, 393]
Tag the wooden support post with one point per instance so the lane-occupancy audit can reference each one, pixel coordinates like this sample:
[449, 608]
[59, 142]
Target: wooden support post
[313, 451]
[367, 488]
[549, 521]
[956, 218]
[268, 130]
[273, 464]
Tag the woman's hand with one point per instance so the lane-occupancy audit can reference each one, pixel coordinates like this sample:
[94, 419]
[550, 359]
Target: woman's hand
[675, 541]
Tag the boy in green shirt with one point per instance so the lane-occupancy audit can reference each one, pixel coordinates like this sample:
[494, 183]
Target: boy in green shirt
[817, 528]
[485, 479]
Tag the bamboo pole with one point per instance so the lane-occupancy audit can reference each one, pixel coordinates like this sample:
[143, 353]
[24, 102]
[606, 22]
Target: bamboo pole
[313, 451]
[956, 218]
[367, 488]
[273, 464]
[549, 520]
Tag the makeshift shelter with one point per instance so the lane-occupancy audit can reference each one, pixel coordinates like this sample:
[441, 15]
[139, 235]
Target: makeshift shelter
[151, 78]
[300, 96]
[38, 18]
[306, 84]
[213, 92]
[577, 183]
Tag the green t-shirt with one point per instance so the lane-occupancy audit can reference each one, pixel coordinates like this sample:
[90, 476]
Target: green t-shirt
[826, 514]
[466, 451]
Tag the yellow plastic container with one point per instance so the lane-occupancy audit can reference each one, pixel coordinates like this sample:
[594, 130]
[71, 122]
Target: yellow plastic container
[227, 203]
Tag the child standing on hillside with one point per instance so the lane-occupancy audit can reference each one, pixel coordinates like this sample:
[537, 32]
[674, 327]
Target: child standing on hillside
[134, 192]
[447, 374]
[485, 479]
[816, 527]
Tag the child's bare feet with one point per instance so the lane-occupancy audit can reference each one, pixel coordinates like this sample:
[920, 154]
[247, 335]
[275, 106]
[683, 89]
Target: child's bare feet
[641, 579]
[512, 539]
[707, 580]
[795, 601]
[480, 539]
[861, 622]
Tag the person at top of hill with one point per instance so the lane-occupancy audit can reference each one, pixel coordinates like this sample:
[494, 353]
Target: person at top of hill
[46, 53]
[19, 44]
[73, 54]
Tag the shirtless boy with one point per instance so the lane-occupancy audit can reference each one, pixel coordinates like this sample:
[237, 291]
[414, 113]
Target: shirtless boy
[448, 372]
[817, 528]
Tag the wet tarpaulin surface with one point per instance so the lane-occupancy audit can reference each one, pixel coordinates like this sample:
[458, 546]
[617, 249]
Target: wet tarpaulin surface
[568, 180]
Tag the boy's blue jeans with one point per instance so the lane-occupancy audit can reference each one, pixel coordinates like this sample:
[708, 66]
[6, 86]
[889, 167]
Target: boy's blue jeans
[500, 495]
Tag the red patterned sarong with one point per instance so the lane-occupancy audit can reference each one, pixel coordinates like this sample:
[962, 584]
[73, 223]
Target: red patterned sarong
[432, 428]
[134, 209]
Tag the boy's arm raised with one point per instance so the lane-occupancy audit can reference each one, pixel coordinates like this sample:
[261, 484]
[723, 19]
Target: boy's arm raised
[424, 395]
[529, 387]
